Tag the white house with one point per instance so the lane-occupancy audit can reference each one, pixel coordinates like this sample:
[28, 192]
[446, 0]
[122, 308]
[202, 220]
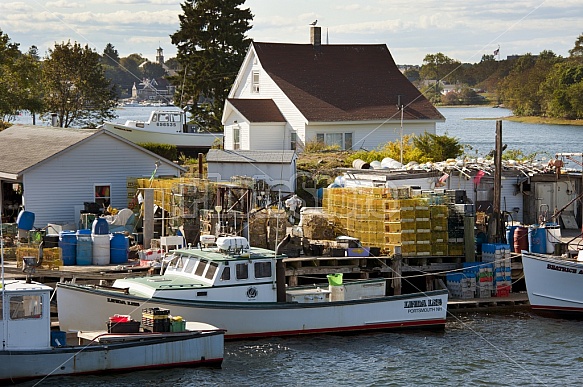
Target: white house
[59, 169]
[276, 168]
[350, 95]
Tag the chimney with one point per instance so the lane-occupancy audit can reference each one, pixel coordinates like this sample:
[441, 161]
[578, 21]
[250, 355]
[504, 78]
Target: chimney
[315, 36]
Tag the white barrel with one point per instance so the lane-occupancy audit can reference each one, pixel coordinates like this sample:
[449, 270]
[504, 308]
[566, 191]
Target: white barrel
[553, 237]
[101, 249]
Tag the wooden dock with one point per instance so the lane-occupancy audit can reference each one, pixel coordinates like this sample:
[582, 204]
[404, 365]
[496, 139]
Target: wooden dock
[513, 301]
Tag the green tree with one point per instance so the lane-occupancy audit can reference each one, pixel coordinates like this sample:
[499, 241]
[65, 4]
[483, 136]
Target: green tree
[562, 91]
[29, 73]
[211, 45]
[438, 148]
[9, 87]
[439, 67]
[577, 51]
[75, 86]
[153, 70]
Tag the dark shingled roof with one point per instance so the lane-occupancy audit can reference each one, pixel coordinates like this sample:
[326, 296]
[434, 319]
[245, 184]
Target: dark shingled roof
[343, 82]
[250, 156]
[29, 145]
[258, 110]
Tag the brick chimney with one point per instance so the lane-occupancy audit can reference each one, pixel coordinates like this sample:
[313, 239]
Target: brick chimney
[315, 36]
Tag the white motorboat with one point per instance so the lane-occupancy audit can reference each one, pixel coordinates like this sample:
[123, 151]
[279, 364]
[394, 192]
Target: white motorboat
[31, 350]
[242, 290]
[554, 284]
[166, 125]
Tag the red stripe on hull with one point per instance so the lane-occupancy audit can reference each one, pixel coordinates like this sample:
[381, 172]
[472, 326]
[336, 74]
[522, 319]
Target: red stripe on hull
[369, 327]
[558, 309]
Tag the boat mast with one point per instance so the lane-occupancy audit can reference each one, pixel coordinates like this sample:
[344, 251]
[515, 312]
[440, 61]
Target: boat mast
[4, 303]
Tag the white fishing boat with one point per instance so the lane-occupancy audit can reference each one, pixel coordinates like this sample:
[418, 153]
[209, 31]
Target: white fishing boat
[30, 350]
[554, 284]
[242, 290]
[166, 125]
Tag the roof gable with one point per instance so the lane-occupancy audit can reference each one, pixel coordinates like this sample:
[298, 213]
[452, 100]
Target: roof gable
[30, 145]
[343, 82]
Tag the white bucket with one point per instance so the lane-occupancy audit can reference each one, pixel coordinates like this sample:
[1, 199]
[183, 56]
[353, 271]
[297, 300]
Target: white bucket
[553, 237]
[101, 249]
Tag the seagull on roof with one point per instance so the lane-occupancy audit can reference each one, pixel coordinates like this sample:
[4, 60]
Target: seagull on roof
[314, 22]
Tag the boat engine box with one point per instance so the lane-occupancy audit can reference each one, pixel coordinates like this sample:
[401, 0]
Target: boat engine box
[308, 296]
[123, 327]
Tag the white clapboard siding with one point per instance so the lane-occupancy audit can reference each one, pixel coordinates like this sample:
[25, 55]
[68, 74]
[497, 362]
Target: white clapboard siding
[54, 187]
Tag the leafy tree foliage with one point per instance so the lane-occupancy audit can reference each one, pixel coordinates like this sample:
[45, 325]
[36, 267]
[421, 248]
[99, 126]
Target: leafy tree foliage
[19, 88]
[75, 86]
[438, 148]
[577, 51]
[211, 46]
[440, 67]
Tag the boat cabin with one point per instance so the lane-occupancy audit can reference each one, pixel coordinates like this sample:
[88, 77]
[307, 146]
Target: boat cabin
[231, 272]
[25, 315]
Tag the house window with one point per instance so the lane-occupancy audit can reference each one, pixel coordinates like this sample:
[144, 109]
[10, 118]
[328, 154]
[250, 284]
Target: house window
[255, 82]
[102, 194]
[342, 140]
[236, 137]
[294, 140]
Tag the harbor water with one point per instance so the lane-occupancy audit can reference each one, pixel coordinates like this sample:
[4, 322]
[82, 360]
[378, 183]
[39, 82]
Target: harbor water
[514, 348]
[510, 349]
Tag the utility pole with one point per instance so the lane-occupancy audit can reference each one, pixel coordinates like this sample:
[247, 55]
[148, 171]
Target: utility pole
[495, 225]
[400, 107]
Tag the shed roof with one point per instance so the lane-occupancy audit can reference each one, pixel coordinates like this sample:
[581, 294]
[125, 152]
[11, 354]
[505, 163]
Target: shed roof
[25, 146]
[258, 110]
[250, 156]
[354, 82]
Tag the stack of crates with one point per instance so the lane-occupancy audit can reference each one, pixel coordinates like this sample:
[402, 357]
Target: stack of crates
[499, 256]
[438, 223]
[422, 227]
[156, 320]
[460, 285]
[400, 226]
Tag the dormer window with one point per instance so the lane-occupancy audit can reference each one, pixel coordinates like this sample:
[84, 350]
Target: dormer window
[255, 82]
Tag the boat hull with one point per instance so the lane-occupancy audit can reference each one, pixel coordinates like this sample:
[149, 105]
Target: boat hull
[200, 141]
[160, 351]
[81, 307]
[554, 285]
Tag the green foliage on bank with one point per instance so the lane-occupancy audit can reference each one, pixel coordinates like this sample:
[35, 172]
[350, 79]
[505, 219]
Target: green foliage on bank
[167, 151]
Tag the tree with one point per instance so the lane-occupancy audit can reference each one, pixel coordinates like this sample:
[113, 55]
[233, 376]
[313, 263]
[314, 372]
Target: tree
[9, 87]
[577, 51]
[110, 56]
[153, 70]
[439, 67]
[211, 45]
[438, 148]
[75, 86]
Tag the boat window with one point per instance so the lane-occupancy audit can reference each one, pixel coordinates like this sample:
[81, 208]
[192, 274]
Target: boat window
[262, 269]
[176, 117]
[180, 262]
[242, 271]
[25, 307]
[190, 265]
[200, 268]
[210, 273]
[226, 274]
[163, 118]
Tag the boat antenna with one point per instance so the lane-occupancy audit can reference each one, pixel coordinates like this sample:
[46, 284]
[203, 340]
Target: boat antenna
[4, 303]
[182, 86]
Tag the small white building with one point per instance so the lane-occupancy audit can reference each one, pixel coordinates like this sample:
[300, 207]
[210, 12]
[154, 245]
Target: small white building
[350, 95]
[57, 170]
[276, 168]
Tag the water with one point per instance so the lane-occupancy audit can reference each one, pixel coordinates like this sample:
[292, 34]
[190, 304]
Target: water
[507, 349]
[474, 350]
[476, 127]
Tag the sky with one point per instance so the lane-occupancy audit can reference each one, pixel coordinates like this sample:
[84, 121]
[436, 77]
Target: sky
[462, 30]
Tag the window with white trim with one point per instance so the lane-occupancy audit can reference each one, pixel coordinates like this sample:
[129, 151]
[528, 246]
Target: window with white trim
[342, 140]
[102, 194]
[236, 137]
[294, 141]
[255, 82]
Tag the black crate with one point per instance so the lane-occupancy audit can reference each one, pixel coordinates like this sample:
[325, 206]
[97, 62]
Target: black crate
[123, 327]
[156, 326]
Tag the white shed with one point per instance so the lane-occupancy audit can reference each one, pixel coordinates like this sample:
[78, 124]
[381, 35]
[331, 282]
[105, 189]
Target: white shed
[60, 169]
[276, 168]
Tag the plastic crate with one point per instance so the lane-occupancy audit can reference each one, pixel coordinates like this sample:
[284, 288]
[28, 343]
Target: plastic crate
[123, 327]
[156, 325]
[177, 325]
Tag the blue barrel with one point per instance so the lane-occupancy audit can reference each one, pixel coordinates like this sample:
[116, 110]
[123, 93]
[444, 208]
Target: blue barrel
[68, 245]
[25, 220]
[537, 240]
[510, 237]
[84, 247]
[100, 227]
[119, 248]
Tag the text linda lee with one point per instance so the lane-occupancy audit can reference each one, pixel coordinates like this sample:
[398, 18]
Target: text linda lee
[423, 306]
